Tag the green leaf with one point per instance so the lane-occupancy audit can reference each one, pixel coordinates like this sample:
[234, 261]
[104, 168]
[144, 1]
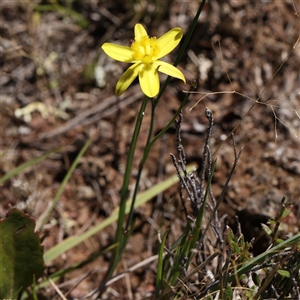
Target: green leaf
[235, 248]
[230, 235]
[21, 258]
[284, 273]
[285, 213]
[266, 229]
[228, 293]
[279, 241]
[256, 279]
[242, 243]
[271, 222]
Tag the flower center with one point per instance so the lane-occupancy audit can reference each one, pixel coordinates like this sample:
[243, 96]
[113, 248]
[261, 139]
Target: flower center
[145, 50]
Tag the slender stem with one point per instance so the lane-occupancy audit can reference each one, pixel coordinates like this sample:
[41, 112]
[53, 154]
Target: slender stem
[141, 165]
[124, 191]
[147, 150]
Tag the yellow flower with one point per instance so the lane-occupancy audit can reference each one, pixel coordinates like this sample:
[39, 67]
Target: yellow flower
[145, 53]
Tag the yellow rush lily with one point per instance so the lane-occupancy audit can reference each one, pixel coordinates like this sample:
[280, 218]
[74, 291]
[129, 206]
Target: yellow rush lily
[145, 53]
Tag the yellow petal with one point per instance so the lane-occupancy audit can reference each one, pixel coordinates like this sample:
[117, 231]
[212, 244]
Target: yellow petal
[168, 69]
[127, 78]
[168, 41]
[139, 32]
[117, 52]
[149, 81]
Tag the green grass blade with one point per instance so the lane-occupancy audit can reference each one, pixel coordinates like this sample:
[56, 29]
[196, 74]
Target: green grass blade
[65, 181]
[142, 198]
[65, 12]
[159, 274]
[26, 165]
[61, 273]
[293, 241]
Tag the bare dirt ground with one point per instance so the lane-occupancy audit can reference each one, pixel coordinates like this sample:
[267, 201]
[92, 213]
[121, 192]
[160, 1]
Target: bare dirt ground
[49, 57]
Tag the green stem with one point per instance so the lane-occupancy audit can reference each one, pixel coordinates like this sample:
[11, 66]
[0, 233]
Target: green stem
[124, 192]
[147, 150]
[141, 165]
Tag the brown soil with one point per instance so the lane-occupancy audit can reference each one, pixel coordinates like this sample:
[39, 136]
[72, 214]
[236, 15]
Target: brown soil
[49, 57]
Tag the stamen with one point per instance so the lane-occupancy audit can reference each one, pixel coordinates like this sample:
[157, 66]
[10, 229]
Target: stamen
[145, 50]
